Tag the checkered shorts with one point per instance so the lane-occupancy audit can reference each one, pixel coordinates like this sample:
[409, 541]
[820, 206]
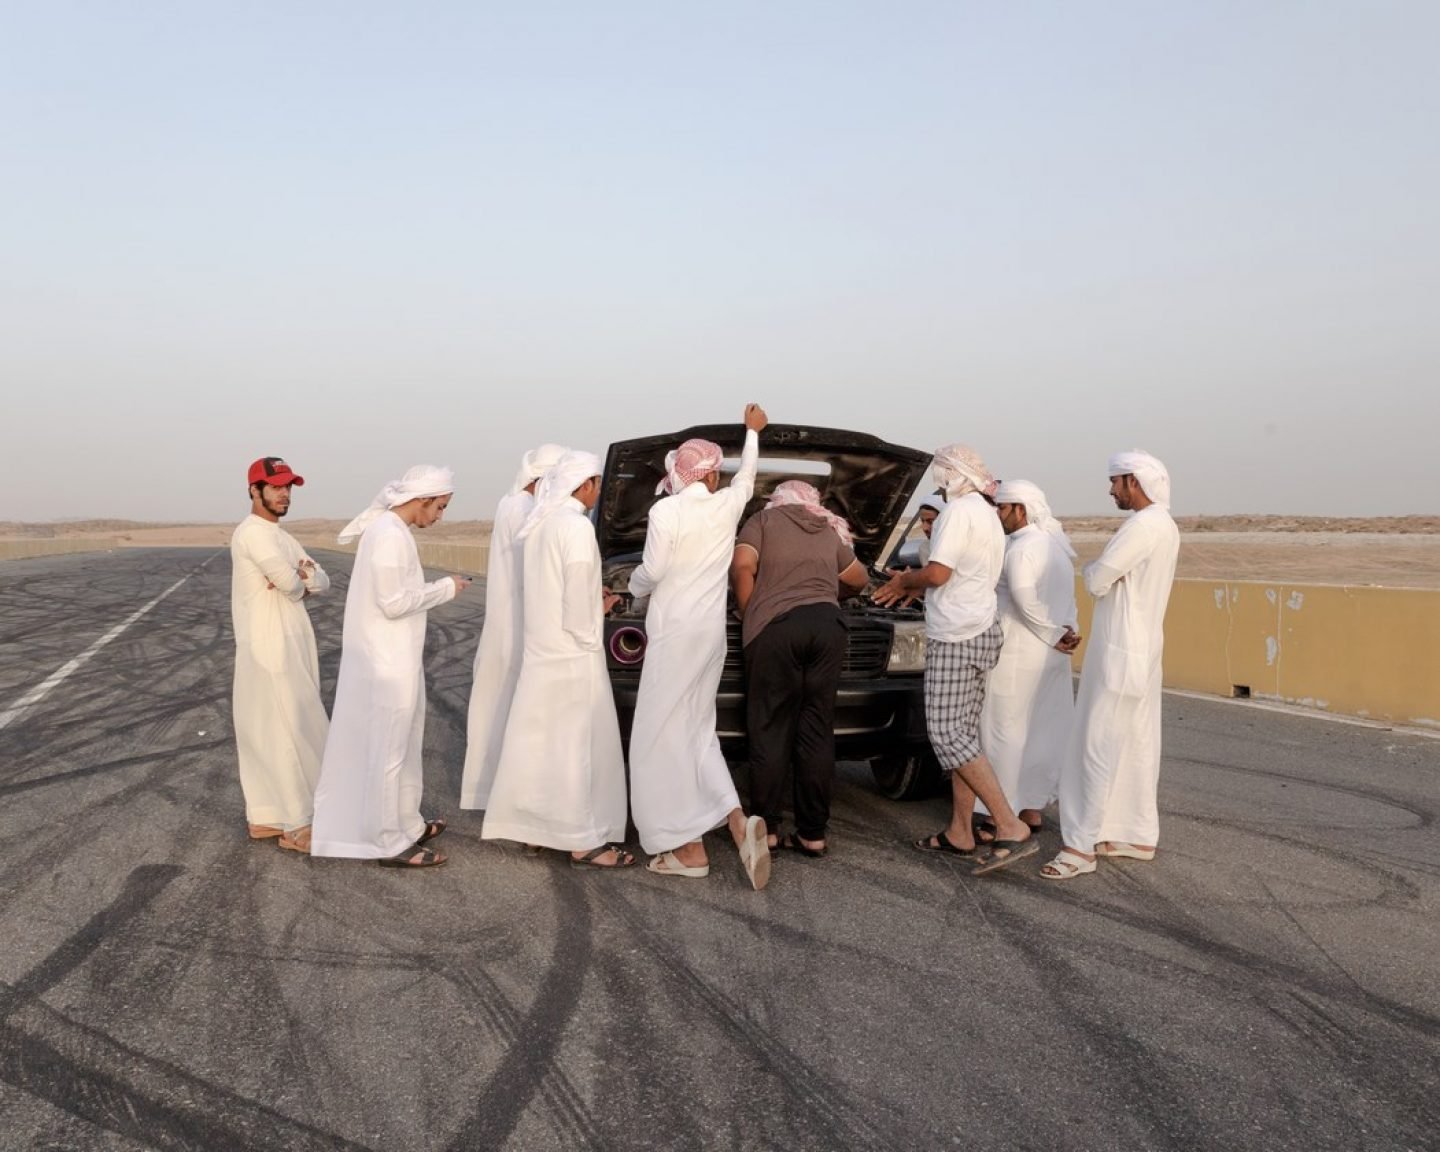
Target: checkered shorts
[955, 693]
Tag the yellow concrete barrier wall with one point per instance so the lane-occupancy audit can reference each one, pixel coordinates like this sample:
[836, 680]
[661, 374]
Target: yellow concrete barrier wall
[1371, 652]
[463, 559]
[20, 549]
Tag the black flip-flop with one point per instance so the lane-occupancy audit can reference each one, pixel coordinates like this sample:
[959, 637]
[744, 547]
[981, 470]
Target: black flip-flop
[433, 828]
[428, 858]
[984, 829]
[946, 846]
[1013, 850]
[623, 859]
[791, 843]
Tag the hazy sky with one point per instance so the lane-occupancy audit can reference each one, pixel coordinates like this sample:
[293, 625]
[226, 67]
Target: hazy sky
[365, 235]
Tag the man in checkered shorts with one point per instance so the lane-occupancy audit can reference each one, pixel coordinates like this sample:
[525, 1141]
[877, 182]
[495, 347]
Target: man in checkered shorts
[962, 644]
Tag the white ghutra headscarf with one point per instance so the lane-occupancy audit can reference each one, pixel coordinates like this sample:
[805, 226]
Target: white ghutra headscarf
[557, 485]
[420, 483]
[958, 469]
[1037, 509]
[1153, 476]
[535, 463]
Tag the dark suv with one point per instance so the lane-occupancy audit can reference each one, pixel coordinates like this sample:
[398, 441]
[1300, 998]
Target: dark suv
[879, 715]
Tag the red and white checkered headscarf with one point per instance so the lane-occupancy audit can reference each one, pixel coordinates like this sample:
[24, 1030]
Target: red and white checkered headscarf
[693, 460]
[807, 497]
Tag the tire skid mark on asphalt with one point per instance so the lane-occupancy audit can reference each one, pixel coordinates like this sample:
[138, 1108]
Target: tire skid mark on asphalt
[147, 695]
[67, 1064]
[1398, 890]
[73, 774]
[1182, 927]
[64, 1062]
[505, 1097]
[17, 711]
[81, 737]
[1263, 981]
[1425, 817]
[670, 893]
[1153, 1096]
[812, 1093]
[568, 1115]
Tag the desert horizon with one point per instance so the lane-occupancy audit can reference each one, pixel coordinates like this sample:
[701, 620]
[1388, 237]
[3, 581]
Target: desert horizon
[1380, 551]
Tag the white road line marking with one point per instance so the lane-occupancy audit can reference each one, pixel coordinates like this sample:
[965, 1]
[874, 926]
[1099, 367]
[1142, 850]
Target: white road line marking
[43, 689]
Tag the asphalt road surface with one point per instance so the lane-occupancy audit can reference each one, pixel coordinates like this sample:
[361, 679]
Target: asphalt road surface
[1270, 981]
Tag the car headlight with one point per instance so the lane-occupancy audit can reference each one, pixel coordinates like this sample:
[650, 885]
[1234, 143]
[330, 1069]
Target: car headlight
[907, 647]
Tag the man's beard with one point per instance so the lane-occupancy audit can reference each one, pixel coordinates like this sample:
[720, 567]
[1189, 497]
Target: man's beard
[274, 511]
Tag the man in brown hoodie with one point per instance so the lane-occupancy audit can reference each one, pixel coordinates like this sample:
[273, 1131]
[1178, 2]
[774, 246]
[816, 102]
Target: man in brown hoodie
[792, 562]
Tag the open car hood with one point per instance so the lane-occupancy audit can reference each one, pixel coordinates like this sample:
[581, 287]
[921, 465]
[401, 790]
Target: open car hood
[869, 483]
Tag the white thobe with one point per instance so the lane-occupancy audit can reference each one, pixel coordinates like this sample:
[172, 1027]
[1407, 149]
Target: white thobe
[497, 660]
[680, 785]
[367, 804]
[280, 721]
[1111, 774]
[560, 782]
[1029, 696]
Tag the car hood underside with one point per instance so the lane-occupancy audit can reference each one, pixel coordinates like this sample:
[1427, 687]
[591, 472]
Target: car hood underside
[869, 481]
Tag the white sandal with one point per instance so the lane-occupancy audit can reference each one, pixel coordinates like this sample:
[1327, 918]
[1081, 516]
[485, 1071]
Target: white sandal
[1129, 851]
[668, 864]
[1066, 866]
[755, 853]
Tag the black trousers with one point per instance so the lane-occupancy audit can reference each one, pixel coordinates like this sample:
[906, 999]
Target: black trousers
[793, 670]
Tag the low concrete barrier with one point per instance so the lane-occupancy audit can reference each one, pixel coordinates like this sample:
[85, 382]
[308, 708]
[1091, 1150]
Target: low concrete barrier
[462, 559]
[21, 549]
[1371, 652]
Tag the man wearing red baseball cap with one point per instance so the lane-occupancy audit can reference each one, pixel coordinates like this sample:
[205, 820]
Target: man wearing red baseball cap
[274, 472]
[280, 721]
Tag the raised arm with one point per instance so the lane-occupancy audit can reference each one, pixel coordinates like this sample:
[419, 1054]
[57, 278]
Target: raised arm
[742, 484]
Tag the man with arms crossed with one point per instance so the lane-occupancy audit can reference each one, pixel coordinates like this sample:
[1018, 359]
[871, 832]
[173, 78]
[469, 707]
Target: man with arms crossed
[280, 722]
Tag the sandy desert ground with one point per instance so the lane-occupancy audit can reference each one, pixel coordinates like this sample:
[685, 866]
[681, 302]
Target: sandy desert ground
[1385, 551]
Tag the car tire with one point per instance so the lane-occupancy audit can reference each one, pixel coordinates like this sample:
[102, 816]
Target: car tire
[906, 775]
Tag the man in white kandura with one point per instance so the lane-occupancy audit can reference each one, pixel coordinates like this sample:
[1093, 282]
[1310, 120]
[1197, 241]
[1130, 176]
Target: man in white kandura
[560, 782]
[930, 509]
[1111, 775]
[497, 660]
[680, 785]
[368, 803]
[280, 722]
[962, 644]
[1030, 697]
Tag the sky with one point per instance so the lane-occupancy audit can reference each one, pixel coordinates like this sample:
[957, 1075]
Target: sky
[365, 235]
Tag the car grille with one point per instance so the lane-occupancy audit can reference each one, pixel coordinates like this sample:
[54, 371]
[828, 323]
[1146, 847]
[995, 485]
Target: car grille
[867, 650]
